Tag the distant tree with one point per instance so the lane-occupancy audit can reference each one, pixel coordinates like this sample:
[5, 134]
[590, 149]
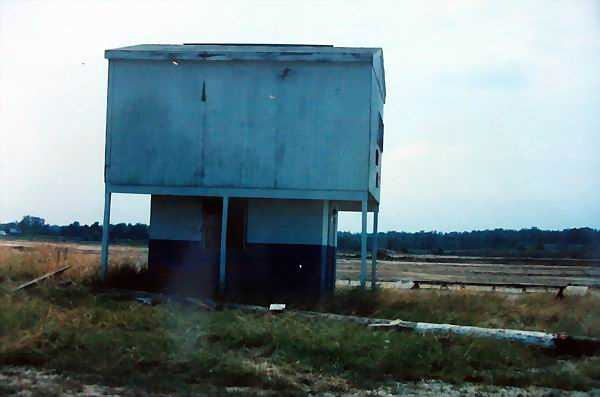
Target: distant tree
[32, 224]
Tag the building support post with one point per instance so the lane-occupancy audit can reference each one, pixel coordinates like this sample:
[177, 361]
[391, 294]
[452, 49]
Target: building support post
[105, 235]
[363, 246]
[324, 243]
[335, 231]
[374, 248]
[223, 253]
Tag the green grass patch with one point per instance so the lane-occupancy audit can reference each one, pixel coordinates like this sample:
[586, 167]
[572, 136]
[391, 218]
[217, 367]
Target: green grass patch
[365, 356]
[536, 311]
[174, 348]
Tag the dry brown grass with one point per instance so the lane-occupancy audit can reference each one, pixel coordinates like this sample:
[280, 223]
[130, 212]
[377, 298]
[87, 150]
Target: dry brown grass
[536, 311]
[27, 262]
[574, 315]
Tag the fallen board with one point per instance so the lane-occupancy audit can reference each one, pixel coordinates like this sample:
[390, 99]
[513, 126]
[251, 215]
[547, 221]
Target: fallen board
[522, 286]
[37, 280]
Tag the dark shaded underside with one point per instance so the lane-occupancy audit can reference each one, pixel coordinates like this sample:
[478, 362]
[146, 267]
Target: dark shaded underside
[266, 271]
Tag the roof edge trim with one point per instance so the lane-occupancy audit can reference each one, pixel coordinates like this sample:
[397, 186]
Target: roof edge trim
[238, 56]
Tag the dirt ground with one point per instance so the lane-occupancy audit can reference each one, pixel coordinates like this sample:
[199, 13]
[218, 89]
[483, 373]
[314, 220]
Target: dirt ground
[474, 272]
[23, 381]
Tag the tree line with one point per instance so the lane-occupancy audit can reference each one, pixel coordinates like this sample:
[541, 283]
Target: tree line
[577, 243]
[532, 242]
[32, 226]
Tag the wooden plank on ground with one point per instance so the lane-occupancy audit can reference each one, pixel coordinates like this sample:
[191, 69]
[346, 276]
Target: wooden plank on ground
[38, 279]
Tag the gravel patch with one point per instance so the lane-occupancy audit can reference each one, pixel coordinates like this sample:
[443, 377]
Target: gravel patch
[437, 388]
[22, 381]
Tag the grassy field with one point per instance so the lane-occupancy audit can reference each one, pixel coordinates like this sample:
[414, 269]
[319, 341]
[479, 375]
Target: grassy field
[77, 329]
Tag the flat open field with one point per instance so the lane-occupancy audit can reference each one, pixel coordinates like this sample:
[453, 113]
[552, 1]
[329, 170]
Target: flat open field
[74, 335]
[406, 267]
[477, 269]
[80, 248]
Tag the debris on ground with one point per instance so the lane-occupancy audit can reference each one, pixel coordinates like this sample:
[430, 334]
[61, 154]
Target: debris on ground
[38, 279]
[145, 300]
[561, 343]
[153, 299]
[405, 284]
[206, 304]
[573, 290]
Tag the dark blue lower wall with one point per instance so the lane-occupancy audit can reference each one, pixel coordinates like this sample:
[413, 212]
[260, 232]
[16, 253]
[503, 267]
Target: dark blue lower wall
[279, 270]
[267, 271]
[183, 267]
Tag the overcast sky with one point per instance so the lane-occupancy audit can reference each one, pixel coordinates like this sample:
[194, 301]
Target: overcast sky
[492, 115]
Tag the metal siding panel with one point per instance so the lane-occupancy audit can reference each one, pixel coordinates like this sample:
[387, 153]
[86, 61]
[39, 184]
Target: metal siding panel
[285, 222]
[177, 218]
[256, 128]
[376, 110]
[379, 71]
[241, 134]
[155, 125]
[107, 139]
[323, 127]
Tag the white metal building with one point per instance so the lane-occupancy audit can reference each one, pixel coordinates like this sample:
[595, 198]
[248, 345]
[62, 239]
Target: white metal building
[249, 152]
